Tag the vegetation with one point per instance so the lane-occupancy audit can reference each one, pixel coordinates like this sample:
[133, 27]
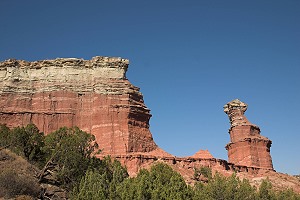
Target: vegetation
[69, 153]
[204, 173]
[12, 184]
[16, 176]
[227, 188]
[101, 183]
[26, 141]
[160, 182]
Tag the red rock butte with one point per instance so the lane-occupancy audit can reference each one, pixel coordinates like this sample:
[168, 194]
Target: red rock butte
[247, 146]
[91, 94]
[96, 96]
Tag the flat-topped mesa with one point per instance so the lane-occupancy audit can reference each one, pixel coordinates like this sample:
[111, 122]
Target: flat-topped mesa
[247, 147]
[91, 94]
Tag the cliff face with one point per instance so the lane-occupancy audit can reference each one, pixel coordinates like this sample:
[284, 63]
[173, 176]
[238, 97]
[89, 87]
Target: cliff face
[91, 94]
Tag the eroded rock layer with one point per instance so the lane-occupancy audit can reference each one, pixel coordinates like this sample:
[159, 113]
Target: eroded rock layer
[91, 94]
[247, 147]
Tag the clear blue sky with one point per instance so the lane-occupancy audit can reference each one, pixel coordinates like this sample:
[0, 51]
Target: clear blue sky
[188, 57]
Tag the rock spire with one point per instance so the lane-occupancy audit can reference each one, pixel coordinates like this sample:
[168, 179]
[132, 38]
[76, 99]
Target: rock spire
[247, 147]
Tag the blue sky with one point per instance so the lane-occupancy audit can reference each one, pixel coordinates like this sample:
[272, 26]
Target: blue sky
[188, 57]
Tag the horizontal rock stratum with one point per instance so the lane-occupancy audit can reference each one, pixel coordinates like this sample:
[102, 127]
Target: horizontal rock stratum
[96, 96]
[91, 94]
[247, 146]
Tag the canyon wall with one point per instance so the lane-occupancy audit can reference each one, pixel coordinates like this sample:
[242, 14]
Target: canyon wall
[91, 94]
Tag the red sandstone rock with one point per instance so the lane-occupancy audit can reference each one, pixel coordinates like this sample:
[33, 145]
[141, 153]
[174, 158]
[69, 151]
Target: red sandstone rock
[93, 95]
[247, 146]
[96, 96]
[202, 154]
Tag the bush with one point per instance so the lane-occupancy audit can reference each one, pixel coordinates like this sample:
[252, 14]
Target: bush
[288, 194]
[220, 187]
[25, 141]
[5, 139]
[101, 183]
[265, 190]
[161, 182]
[203, 173]
[72, 151]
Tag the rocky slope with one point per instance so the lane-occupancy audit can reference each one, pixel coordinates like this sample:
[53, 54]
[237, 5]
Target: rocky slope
[19, 180]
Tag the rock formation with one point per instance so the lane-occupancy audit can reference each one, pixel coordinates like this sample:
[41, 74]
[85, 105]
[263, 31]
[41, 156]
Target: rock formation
[96, 96]
[247, 146]
[91, 94]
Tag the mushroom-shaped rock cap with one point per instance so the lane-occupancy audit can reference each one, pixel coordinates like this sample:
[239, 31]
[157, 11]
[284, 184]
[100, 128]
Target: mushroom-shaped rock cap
[235, 104]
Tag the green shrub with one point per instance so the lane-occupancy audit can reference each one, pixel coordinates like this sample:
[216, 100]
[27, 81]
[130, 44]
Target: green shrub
[101, 183]
[161, 182]
[226, 188]
[5, 139]
[265, 191]
[72, 151]
[25, 141]
[202, 171]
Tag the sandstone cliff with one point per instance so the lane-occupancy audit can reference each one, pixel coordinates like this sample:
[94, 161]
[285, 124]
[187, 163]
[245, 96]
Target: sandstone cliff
[91, 94]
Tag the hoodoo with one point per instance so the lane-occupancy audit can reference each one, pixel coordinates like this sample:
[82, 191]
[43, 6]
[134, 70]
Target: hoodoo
[247, 147]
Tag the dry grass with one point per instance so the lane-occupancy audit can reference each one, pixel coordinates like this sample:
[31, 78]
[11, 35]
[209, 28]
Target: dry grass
[17, 177]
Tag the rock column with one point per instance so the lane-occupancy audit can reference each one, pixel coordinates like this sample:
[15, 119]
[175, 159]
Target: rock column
[247, 147]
